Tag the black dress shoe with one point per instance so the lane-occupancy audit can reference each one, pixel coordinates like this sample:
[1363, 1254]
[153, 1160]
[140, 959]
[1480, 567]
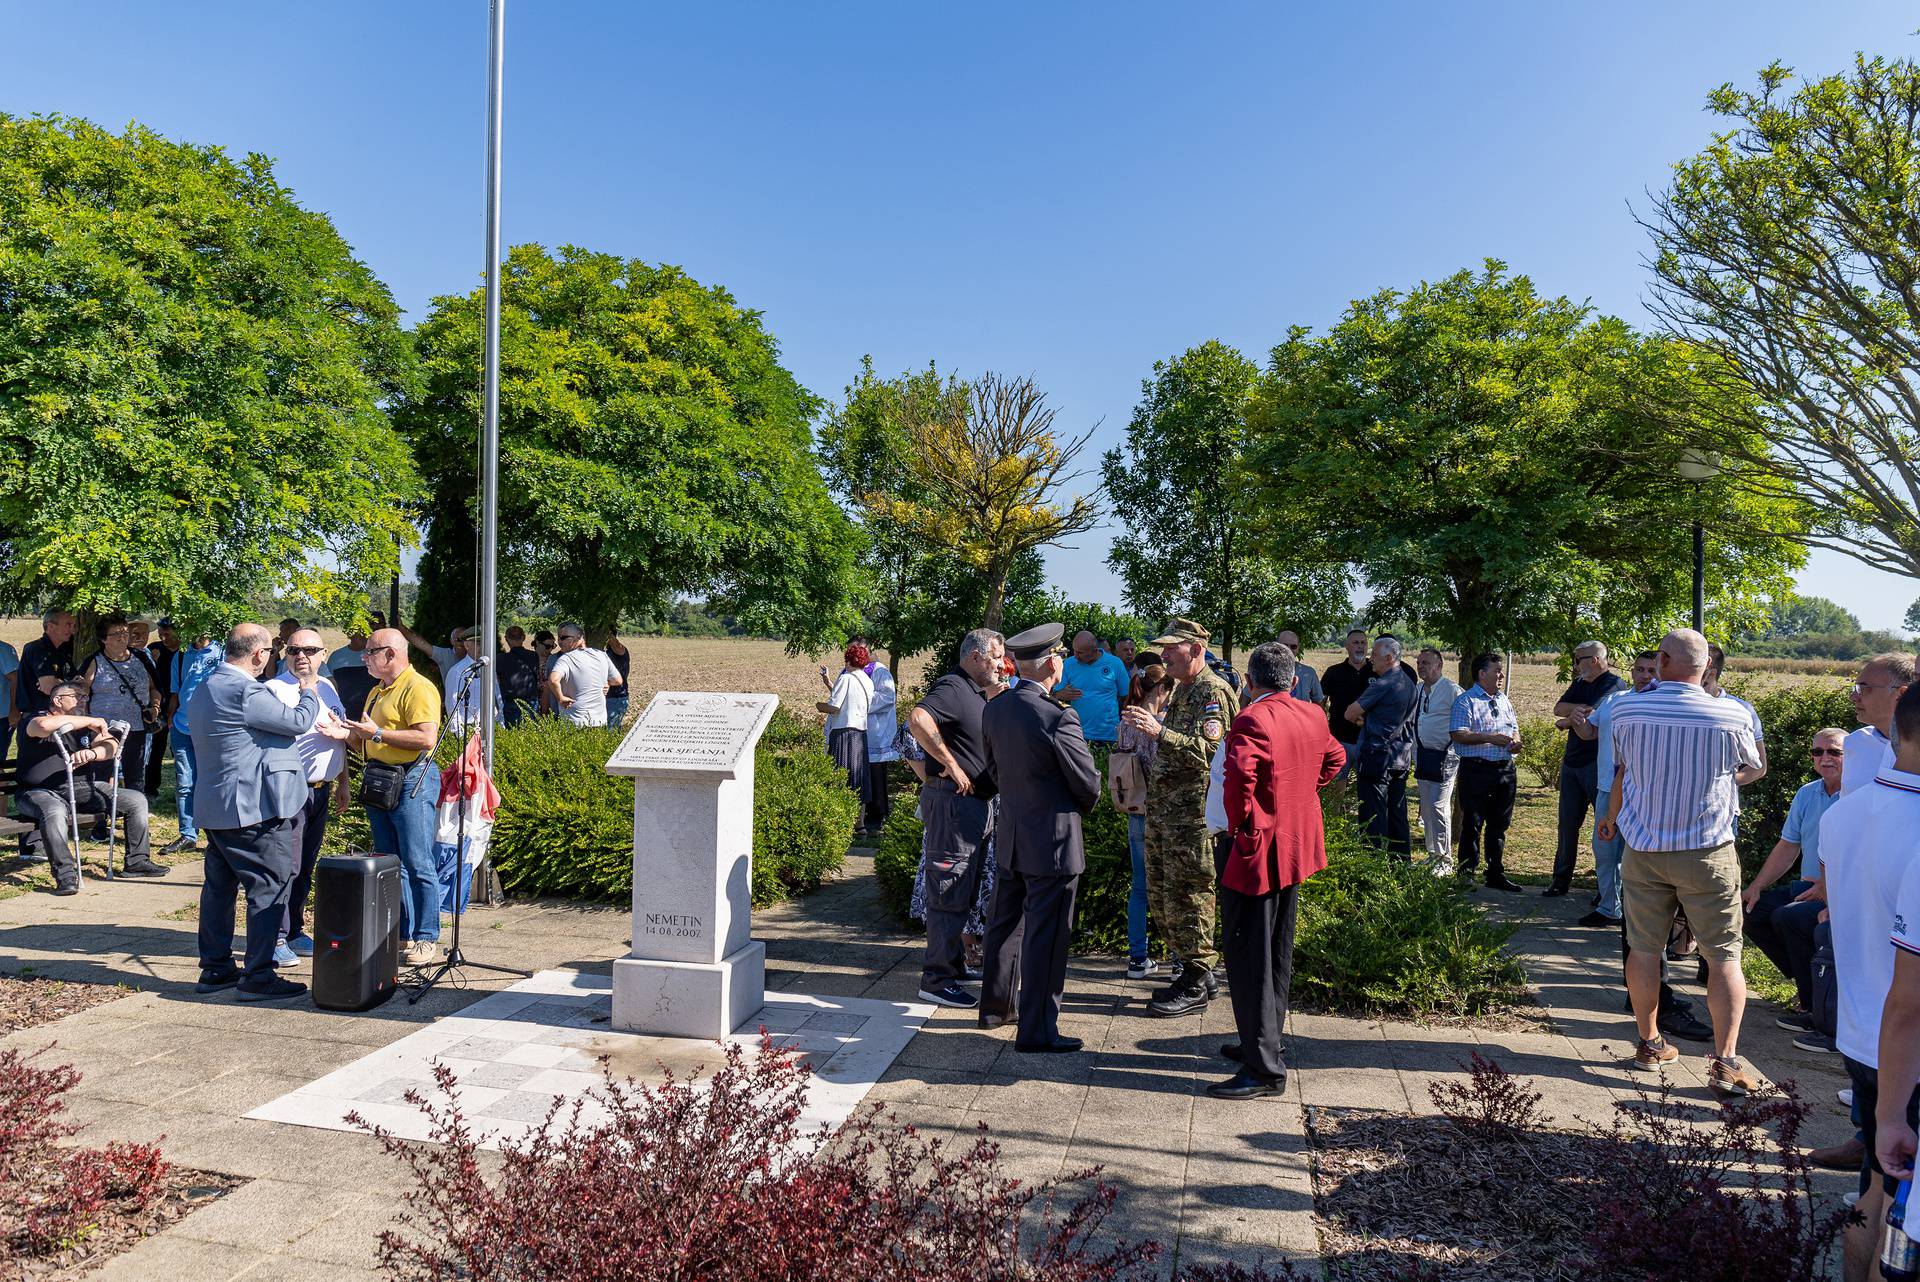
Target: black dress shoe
[992, 1021]
[1247, 1084]
[1183, 1001]
[1553, 892]
[1683, 1024]
[144, 868]
[1500, 881]
[1598, 918]
[270, 990]
[66, 888]
[1213, 982]
[177, 845]
[214, 983]
[1056, 1046]
[1230, 1050]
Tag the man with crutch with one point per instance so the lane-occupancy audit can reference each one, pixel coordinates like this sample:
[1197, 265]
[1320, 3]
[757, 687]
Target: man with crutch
[57, 786]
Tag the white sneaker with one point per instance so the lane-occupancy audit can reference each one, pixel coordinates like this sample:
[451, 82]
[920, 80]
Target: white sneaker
[1441, 867]
[423, 952]
[1845, 1096]
[1143, 969]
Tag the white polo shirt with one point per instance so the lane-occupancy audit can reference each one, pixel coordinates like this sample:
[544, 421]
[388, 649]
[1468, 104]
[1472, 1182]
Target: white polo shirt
[1869, 841]
[1866, 750]
[324, 758]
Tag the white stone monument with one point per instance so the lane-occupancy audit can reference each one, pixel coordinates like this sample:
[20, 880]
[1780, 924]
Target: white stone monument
[693, 971]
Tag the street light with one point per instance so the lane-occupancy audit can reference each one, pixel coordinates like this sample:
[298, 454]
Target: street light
[1699, 466]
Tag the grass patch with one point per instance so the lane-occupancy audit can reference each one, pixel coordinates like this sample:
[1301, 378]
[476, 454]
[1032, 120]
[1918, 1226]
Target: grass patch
[1765, 981]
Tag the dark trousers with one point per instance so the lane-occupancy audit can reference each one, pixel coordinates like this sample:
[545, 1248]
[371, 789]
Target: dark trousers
[875, 804]
[149, 782]
[312, 821]
[1256, 938]
[260, 859]
[1783, 930]
[48, 807]
[1027, 938]
[1383, 812]
[955, 837]
[1486, 791]
[1577, 791]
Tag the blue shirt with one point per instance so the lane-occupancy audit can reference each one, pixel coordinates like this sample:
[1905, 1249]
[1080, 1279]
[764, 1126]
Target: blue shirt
[191, 668]
[1680, 747]
[1803, 824]
[1102, 684]
[1602, 722]
[1478, 712]
[1391, 702]
[1306, 685]
[9, 664]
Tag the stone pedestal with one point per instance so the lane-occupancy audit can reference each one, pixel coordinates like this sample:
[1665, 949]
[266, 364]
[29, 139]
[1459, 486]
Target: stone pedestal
[693, 970]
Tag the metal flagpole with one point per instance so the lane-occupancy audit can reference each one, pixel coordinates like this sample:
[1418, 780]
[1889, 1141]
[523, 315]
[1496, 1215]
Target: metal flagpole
[490, 430]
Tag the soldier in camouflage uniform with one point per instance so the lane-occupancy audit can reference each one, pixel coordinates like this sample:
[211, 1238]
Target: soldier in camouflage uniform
[1180, 871]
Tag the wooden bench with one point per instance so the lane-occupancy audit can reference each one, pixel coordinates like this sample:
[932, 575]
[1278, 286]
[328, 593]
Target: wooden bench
[9, 783]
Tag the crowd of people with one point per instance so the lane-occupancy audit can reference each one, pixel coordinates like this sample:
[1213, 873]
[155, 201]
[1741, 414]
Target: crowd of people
[1220, 781]
[259, 727]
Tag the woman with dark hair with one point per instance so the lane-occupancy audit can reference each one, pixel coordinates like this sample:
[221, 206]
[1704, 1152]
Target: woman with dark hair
[845, 707]
[1127, 769]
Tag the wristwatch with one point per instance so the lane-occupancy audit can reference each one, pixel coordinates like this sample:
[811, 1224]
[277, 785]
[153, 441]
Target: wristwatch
[378, 735]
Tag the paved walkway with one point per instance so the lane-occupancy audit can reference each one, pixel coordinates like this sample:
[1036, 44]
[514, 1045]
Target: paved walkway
[1211, 1180]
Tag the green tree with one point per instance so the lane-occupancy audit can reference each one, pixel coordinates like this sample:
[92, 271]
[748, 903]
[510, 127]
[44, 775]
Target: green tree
[1501, 468]
[985, 479]
[1187, 544]
[1793, 615]
[1791, 247]
[915, 592]
[192, 369]
[651, 447]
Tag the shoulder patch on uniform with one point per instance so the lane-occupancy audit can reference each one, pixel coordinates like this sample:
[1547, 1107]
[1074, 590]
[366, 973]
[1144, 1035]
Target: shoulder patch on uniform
[1211, 729]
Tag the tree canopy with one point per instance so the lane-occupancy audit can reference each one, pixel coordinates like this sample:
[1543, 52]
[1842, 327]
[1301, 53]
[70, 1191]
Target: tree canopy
[651, 446]
[192, 371]
[1790, 246]
[1189, 546]
[1501, 468]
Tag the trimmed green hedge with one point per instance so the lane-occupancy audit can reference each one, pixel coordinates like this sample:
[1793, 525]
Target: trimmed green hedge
[566, 826]
[1372, 937]
[1789, 718]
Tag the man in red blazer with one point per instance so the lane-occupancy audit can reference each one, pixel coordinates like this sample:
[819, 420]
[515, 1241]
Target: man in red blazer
[1279, 754]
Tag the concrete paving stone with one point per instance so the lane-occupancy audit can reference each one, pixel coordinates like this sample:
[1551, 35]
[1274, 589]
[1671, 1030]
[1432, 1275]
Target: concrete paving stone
[961, 1050]
[1221, 1117]
[909, 1084]
[264, 1214]
[1039, 1102]
[228, 1095]
[292, 1268]
[174, 1256]
[1355, 1088]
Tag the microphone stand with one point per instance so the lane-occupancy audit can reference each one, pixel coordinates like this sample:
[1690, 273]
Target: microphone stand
[456, 960]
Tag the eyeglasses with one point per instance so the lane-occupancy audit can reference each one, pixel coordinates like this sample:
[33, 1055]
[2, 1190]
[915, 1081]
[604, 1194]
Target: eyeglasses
[1861, 687]
[1828, 752]
[305, 649]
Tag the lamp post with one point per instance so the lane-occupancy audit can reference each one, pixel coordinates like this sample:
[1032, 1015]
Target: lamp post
[1699, 466]
[490, 396]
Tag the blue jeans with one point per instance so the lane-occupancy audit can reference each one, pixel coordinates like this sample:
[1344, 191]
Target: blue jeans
[1137, 900]
[1606, 859]
[183, 784]
[407, 831]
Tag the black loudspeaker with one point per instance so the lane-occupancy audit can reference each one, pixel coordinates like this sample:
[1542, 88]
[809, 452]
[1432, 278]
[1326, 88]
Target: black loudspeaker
[356, 930]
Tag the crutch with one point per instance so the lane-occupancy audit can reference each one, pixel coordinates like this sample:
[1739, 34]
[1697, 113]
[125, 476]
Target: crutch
[119, 730]
[73, 805]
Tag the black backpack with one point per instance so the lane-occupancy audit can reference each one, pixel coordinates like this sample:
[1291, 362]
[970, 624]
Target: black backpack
[1826, 991]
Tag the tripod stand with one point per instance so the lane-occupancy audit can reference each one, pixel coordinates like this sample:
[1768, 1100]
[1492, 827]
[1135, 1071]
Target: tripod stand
[457, 960]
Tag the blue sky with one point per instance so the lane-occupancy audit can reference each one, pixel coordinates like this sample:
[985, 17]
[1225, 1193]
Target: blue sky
[1072, 190]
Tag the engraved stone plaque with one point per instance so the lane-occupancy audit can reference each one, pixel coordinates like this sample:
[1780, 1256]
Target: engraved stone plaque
[693, 731]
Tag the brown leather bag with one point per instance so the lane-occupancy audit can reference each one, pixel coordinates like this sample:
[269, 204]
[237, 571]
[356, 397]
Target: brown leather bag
[1127, 782]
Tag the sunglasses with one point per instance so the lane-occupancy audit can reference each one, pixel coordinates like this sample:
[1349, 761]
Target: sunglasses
[305, 649]
[1828, 752]
[380, 649]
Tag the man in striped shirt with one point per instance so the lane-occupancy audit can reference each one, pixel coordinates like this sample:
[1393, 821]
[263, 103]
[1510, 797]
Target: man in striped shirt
[1680, 756]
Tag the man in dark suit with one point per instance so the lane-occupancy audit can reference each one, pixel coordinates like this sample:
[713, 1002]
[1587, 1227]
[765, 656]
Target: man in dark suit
[1048, 780]
[1279, 754]
[249, 789]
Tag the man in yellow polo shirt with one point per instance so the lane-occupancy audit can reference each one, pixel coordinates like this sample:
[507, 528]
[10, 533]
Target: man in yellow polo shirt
[402, 719]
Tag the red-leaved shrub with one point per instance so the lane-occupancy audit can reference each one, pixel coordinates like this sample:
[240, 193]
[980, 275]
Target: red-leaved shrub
[1492, 1104]
[51, 1197]
[710, 1179]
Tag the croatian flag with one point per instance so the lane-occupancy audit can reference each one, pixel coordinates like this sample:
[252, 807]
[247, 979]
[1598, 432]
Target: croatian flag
[468, 786]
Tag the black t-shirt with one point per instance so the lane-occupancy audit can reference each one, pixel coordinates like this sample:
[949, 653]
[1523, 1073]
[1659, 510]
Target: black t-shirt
[1585, 752]
[519, 676]
[159, 661]
[1343, 683]
[41, 658]
[955, 704]
[40, 763]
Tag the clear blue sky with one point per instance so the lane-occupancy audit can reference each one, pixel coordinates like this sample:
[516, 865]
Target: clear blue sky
[1068, 189]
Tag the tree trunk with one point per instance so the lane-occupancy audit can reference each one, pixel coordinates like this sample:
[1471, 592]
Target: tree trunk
[996, 595]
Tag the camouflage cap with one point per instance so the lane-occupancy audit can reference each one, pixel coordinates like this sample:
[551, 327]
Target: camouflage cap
[1182, 632]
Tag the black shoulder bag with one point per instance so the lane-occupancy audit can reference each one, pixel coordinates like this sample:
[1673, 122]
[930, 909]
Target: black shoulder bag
[383, 783]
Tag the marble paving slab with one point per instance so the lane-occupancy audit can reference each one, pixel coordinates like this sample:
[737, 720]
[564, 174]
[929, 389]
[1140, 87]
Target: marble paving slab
[516, 1052]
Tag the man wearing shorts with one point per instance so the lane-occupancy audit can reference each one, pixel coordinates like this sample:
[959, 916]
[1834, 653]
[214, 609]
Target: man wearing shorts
[1680, 757]
[1866, 852]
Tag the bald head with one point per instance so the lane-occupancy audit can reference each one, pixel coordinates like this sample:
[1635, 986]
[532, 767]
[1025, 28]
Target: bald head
[1290, 640]
[386, 654]
[1683, 656]
[245, 640]
[1086, 647]
[305, 650]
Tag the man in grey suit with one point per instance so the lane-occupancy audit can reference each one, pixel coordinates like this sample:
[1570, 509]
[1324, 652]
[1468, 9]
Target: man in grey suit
[248, 790]
[1048, 780]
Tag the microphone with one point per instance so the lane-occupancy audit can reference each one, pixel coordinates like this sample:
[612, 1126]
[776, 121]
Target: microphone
[481, 661]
